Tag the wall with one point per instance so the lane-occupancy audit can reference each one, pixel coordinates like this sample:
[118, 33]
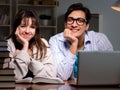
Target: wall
[109, 21]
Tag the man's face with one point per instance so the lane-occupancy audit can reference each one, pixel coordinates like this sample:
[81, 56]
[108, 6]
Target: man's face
[76, 22]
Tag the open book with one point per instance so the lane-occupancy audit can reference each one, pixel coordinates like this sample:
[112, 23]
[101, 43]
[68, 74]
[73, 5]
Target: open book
[41, 80]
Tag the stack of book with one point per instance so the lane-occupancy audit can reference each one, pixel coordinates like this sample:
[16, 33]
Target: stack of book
[7, 76]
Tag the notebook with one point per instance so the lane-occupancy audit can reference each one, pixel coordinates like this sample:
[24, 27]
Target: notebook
[98, 68]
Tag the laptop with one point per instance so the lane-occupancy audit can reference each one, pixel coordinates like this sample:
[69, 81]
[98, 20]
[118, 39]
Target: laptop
[98, 68]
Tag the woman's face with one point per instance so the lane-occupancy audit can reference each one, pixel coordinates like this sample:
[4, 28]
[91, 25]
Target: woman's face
[26, 29]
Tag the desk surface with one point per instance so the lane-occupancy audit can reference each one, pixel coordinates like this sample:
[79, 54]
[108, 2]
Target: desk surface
[66, 86]
[59, 87]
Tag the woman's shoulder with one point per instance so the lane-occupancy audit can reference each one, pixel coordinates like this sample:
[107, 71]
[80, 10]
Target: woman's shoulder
[10, 45]
[45, 41]
[9, 41]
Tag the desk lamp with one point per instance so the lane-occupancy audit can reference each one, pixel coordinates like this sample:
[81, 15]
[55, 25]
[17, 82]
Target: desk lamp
[116, 5]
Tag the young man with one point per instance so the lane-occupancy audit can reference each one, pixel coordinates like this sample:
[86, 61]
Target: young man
[76, 38]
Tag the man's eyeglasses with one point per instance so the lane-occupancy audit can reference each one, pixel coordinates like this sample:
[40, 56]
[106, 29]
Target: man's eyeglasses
[79, 21]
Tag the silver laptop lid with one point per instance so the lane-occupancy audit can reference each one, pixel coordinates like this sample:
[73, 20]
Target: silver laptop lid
[99, 68]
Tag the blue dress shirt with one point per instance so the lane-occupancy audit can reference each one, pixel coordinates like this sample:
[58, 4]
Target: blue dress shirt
[76, 66]
[64, 59]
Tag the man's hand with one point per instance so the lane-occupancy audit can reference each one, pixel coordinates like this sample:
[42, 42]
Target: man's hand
[73, 40]
[69, 36]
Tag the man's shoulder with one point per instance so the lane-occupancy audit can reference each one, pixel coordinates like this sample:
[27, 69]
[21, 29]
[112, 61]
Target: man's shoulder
[93, 33]
[58, 36]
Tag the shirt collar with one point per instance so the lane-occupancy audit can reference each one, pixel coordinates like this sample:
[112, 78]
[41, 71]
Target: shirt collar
[61, 37]
[87, 39]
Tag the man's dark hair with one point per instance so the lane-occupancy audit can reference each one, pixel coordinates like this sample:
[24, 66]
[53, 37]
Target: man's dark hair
[78, 6]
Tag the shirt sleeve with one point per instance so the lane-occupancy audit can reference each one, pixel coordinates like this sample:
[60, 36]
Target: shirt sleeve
[23, 62]
[63, 58]
[20, 62]
[45, 68]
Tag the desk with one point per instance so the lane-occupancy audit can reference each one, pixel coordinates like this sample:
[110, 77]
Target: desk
[66, 86]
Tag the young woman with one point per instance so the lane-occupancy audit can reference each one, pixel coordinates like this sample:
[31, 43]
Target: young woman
[30, 53]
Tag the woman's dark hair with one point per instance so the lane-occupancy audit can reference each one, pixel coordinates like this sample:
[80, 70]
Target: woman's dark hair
[78, 6]
[25, 14]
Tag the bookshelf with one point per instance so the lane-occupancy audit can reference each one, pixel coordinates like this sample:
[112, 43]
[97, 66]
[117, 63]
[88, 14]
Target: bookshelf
[5, 18]
[47, 13]
[47, 8]
[7, 76]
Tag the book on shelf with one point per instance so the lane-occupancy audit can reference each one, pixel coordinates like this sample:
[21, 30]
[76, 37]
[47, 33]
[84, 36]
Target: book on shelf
[4, 19]
[7, 78]
[4, 65]
[3, 43]
[7, 71]
[1, 19]
[41, 80]
[4, 60]
[4, 53]
[3, 48]
[7, 85]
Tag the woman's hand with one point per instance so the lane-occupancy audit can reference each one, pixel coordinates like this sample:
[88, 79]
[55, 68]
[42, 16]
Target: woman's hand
[21, 40]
